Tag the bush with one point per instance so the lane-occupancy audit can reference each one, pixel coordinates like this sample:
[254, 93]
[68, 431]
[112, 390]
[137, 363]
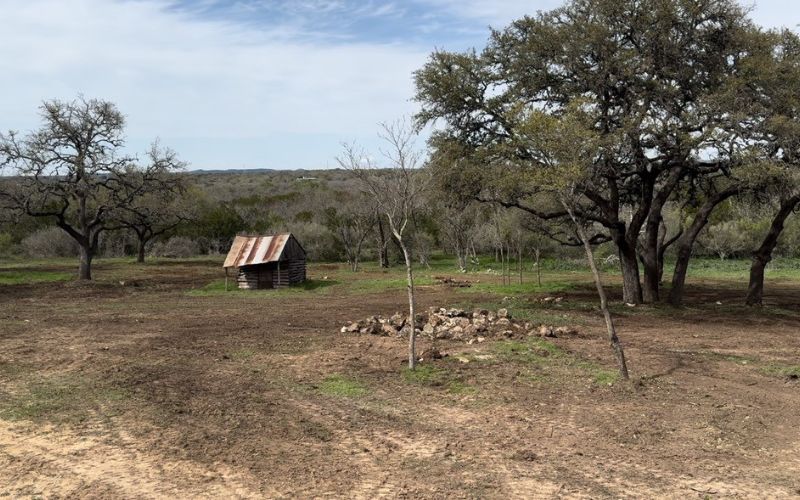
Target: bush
[7, 246]
[50, 242]
[116, 244]
[177, 247]
[318, 241]
[727, 239]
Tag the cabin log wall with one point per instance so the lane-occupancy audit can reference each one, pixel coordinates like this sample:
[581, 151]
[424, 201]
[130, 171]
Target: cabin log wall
[272, 275]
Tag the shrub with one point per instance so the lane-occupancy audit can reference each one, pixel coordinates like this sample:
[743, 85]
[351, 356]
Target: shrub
[116, 244]
[7, 246]
[317, 240]
[50, 242]
[177, 247]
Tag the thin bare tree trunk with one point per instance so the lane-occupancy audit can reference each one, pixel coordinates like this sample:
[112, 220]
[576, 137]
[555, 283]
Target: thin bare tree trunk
[383, 251]
[507, 267]
[141, 253]
[538, 267]
[412, 336]
[475, 261]
[499, 252]
[616, 346]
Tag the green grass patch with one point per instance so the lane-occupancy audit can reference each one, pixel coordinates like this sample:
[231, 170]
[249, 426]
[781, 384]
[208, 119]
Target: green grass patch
[565, 313]
[460, 388]
[738, 269]
[339, 385]
[525, 288]
[598, 374]
[33, 276]
[783, 371]
[371, 285]
[241, 354]
[552, 362]
[70, 399]
[432, 376]
[535, 350]
[217, 288]
[426, 375]
[605, 377]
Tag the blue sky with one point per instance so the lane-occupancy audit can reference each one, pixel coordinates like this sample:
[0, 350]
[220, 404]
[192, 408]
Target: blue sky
[246, 83]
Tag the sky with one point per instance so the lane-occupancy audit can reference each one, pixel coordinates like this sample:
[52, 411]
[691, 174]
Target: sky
[247, 83]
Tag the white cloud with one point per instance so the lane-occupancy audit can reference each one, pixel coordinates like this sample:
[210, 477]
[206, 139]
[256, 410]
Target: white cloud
[242, 92]
[180, 77]
[769, 13]
[497, 13]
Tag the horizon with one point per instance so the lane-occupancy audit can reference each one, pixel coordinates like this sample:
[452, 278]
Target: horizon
[251, 84]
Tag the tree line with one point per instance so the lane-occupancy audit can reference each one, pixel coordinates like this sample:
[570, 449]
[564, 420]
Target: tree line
[669, 127]
[686, 103]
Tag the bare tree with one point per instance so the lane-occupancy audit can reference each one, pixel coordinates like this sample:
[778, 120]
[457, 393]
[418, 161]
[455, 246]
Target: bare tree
[611, 329]
[351, 222]
[397, 189]
[566, 151]
[162, 205]
[457, 220]
[72, 171]
[383, 241]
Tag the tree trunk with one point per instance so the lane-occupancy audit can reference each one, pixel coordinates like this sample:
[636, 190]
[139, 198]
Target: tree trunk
[499, 254]
[755, 290]
[86, 256]
[616, 346]
[461, 256]
[652, 254]
[763, 256]
[383, 251]
[649, 257]
[412, 336]
[537, 254]
[662, 250]
[141, 253]
[631, 286]
[684, 254]
[652, 278]
[685, 244]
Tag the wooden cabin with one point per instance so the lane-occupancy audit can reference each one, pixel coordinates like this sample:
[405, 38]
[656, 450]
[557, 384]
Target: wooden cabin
[266, 261]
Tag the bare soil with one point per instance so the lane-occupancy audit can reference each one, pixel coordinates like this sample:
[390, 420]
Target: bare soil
[145, 391]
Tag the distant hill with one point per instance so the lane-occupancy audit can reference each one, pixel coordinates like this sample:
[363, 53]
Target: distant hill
[299, 172]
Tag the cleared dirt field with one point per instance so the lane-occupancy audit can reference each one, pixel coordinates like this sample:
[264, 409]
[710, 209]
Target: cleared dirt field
[149, 390]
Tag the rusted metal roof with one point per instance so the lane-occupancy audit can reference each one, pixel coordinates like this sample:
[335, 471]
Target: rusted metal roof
[253, 250]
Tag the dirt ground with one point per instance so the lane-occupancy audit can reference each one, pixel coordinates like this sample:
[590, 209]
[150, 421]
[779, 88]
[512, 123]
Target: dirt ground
[145, 391]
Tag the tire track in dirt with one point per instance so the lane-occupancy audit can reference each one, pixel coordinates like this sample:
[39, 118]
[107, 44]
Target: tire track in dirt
[374, 454]
[615, 474]
[58, 463]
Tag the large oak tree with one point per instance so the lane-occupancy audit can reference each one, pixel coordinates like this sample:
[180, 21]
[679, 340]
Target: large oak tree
[74, 171]
[649, 71]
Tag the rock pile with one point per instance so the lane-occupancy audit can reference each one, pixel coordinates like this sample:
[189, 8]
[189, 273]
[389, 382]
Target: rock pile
[457, 324]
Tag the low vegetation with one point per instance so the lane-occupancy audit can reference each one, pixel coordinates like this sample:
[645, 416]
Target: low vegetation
[194, 381]
[338, 385]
